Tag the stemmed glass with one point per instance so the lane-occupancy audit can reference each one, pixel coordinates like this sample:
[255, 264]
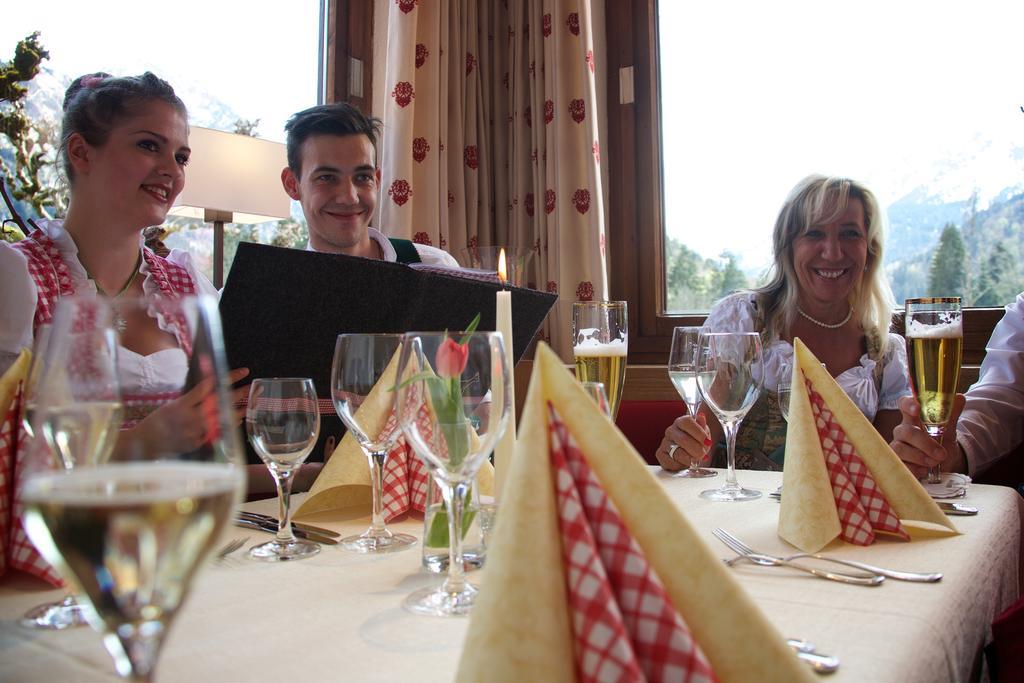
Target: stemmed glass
[729, 376]
[453, 405]
[600, 341]
[283, 423]
[596, 392]
[63, 385]
[682, 371]
[359, 362]
[935, 340]
[129, 531]
[784, 390]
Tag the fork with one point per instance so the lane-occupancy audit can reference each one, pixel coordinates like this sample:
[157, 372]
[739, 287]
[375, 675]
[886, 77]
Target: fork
[231, 546]
[770, 560]
[917, 577]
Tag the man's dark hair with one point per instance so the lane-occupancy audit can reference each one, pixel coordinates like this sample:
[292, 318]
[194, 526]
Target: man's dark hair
[339, 119]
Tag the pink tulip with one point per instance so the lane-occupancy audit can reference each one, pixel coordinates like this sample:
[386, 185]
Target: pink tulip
[451, 359]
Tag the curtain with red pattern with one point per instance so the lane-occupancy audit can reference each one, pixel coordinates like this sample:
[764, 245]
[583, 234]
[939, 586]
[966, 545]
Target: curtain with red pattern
[491, 138]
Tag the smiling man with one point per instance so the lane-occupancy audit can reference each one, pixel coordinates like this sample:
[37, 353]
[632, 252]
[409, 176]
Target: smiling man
[333, 173]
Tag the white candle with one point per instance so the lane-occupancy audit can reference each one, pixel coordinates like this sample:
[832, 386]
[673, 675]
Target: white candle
[506, 446]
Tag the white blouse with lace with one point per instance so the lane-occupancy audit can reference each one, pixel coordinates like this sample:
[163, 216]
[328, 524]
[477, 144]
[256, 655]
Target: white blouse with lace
[159, 372]
[736, 313]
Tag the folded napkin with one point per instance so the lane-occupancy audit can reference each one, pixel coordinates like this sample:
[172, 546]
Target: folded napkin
[842, 480]
[344, 481]
[595, 574]
[16, 551]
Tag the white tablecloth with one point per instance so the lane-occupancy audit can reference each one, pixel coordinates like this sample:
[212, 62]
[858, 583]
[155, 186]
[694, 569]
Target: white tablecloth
[337, 616]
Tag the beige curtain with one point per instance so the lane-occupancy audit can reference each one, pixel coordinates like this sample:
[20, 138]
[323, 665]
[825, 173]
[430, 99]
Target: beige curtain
[491, 138]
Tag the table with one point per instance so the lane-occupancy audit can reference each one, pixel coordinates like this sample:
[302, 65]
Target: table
[337, 615]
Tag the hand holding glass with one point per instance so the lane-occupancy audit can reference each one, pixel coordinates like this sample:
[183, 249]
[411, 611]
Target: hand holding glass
[682, 371]
[359, 362]
[935, 342]
[283, 423]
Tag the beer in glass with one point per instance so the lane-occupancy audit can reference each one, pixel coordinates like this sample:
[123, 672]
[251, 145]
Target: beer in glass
[934, 349]
[600, 339]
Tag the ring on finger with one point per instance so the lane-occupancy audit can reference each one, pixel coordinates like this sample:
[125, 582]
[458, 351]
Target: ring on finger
[672, 452]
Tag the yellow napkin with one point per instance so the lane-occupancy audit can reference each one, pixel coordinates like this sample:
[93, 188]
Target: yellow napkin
[344, 482]
[808, 518]
[521, 629]
[9, 382]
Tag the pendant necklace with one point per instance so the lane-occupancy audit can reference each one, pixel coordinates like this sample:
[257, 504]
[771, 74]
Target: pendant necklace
[120, 324]
[827, 326]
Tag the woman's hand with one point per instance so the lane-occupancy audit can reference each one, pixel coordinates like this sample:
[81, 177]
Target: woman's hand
[691, 438]
[181, 425]
[918, 450]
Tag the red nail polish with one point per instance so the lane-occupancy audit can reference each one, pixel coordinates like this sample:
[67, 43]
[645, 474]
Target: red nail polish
[707, 442]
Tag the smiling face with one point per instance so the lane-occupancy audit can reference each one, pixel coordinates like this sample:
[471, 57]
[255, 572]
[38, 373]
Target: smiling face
[337, 187]
[829, 260]
[139, 171]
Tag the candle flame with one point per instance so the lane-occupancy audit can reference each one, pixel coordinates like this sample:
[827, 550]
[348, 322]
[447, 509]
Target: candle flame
[502, 269]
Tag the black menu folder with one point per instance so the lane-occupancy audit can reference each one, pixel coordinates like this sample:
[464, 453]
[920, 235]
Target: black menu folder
[282, 310]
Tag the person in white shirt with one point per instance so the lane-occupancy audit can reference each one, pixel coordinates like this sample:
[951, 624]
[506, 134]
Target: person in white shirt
[333, 173]
[991, 423]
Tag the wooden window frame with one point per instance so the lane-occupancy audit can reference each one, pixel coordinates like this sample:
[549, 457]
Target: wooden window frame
[635, 218]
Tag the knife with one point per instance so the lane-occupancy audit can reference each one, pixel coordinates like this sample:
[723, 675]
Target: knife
[272, 529]
[957, 508]
[256, 516]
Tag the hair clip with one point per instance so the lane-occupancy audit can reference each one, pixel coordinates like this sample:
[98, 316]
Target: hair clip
[91, 81]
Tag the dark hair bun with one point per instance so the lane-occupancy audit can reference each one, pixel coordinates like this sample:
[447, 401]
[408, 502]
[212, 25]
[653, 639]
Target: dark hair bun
[81, 83]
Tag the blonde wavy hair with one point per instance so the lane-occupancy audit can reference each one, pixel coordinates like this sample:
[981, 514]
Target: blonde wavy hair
[818, 200]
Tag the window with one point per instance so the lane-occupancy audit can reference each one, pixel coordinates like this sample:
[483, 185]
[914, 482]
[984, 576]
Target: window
[742, 138]
[239, 67]
[917, 100]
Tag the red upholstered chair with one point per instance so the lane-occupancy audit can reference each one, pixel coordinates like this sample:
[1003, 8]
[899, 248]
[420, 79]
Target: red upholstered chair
[1006, 651]
[644, 423]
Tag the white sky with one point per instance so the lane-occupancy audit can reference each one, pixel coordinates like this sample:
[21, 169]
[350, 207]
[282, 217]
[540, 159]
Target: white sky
[877, 90]
[258, 57]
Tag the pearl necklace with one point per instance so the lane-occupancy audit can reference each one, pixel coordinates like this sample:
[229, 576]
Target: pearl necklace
[826, 325]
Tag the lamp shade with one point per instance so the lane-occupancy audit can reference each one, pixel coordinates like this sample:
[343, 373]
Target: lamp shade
[237, 174]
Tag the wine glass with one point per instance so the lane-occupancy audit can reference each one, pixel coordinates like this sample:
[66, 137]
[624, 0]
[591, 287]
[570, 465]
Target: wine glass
[95, 344]
[783, 392]
[359, 362]
[132, 521]
[682, 371]
[935, 347]
[283, 423]
[595, 390]
[729, 378]
[600, 341]
[453, 405]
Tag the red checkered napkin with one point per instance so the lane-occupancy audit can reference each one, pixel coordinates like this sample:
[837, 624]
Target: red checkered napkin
[862, 507]
[405, 476]
[624, 625]
[16, 551]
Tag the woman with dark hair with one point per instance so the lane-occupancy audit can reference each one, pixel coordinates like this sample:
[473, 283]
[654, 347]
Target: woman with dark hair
[123, 149]
[828, 288]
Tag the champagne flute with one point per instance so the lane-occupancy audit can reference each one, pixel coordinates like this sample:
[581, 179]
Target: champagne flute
[131, 522]
[359, 362]
[682, 371]
[600, 341]
[94, 343]
[596, 392]
[935, 340]
[729, 376]
[453, 420]
[283, 423]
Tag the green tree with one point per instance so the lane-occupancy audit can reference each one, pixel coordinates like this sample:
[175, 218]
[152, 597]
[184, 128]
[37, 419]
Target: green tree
[996, 284]
[27, 162]
[731, 278]
[947, 275]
